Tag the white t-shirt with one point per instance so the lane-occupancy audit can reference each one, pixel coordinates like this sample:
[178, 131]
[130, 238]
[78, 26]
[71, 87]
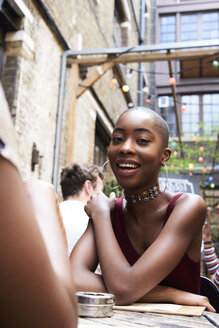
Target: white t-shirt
[75, 221]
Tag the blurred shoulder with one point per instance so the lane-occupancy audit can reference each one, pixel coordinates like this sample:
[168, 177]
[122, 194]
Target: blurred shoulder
[192, 200]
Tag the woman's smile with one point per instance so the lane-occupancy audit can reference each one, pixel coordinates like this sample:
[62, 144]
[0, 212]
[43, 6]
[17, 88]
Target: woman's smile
[127, 164]
[127, 167]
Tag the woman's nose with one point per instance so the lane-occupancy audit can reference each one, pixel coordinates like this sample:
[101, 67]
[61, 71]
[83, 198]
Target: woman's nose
[127, 147]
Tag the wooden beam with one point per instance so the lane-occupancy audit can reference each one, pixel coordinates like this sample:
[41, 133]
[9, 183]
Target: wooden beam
[93, 77]
[71, 122]
[173, 87]
[88, 60]
[121, 79]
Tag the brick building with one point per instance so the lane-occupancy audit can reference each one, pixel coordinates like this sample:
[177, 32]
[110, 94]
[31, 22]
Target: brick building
[54, 126]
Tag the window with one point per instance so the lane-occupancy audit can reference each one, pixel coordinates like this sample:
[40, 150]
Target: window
[10, 21]
[190, 118]
[189, 27]
[210, 26]
[117, 30]
[201, 115]
[209, 29]
[198, 26]
[9, 16]
[200, 118]
[121, 23]
[168, 114]
[99, 152]
[102, 140]
[210, 113]
[168, 29]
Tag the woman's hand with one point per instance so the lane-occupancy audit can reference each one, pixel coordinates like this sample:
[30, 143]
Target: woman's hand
[99, 206]
[166, 294]
[206, 234]
[185, 298]
[195, 300]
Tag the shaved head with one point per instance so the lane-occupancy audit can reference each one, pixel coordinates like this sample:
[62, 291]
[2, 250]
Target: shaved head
[159, 123]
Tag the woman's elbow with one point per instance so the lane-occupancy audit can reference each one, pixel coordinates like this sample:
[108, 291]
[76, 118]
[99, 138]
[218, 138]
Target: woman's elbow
[123, 294]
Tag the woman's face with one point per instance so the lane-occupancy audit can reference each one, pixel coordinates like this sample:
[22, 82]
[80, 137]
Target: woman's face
[136, 151]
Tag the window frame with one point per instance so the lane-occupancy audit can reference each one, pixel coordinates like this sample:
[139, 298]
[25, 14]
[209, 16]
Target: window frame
[103, 138]
[201, 130]
[178, 23]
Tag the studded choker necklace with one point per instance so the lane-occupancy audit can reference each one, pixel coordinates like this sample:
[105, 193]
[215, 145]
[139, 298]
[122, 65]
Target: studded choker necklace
[142, 197]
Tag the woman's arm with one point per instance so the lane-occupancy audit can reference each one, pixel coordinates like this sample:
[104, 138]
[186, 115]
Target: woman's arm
[37, 288]
[84, 261]
[85, 279]
[132, 283]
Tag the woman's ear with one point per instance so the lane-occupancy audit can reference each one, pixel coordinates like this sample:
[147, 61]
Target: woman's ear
[165, 156]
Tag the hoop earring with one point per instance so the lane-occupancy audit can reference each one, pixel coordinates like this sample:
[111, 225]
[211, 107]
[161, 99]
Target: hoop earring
[166, 178]
[103, 166]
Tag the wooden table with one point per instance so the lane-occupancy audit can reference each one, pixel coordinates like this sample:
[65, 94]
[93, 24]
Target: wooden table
[122, 319]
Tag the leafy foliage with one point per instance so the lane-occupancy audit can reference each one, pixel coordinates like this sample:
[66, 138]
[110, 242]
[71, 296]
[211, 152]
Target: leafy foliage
[198, 156]
[112, 186]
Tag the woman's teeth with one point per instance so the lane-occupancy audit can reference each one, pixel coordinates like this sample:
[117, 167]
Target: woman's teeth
[127, 165]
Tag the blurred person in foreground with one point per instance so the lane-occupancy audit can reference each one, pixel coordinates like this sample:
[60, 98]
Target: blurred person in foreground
[37, 289]
[78, 183]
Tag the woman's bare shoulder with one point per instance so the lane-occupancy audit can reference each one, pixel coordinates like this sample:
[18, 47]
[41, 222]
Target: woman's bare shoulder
[192, 198]
[183, 195]
[193, 202]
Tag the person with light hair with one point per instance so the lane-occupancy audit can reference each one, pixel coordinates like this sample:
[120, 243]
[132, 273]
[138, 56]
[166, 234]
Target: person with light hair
[78, 184]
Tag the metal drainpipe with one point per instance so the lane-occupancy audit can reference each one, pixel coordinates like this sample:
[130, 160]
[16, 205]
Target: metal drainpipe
[59, 116]
[141, 42]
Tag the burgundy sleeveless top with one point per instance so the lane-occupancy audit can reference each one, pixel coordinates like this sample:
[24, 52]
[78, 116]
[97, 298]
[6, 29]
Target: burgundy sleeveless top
[185, 276]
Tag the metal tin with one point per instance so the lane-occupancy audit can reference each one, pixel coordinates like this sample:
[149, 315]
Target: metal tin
[96, 305]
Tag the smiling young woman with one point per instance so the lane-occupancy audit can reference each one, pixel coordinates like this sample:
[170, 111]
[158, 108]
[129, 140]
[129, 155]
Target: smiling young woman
[133, 238]
[138, 149]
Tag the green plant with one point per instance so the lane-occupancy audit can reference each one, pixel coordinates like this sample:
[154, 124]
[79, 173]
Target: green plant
[199, 155]
[112, 186]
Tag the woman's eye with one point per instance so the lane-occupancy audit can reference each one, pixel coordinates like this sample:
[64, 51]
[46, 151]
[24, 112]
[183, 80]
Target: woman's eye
[116, 139]
[142, 141]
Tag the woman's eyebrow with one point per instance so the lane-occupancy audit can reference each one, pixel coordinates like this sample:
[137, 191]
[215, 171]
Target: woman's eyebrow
[118, 129]
[143, 130]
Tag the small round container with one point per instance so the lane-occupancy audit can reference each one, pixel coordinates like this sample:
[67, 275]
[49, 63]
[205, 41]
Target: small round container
[97, 305]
